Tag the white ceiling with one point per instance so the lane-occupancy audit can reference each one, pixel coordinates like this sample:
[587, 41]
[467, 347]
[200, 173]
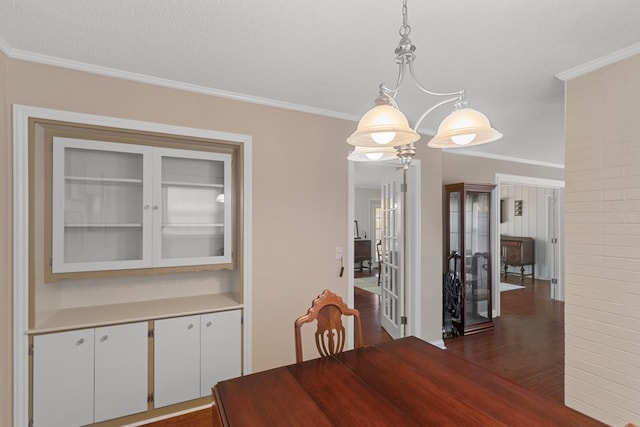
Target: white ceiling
[329, 56]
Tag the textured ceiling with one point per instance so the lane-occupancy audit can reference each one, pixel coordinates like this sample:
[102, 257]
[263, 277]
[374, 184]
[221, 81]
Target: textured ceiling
[331, 55]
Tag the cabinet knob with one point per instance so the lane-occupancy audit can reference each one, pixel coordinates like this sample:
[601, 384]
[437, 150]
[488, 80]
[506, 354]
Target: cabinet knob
[145, 207]
[80, 341]
[104, 338]
[155, 207]
[190, 326]
[208, 323]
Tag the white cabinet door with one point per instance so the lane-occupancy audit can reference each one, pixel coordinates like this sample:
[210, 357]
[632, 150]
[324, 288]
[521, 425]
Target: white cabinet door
[63, 379]
[176, 360]
[221, 356]
[120, 370]
[101, 216]
[192, 202]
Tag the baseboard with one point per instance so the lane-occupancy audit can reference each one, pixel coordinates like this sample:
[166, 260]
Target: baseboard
[438, 343]
[167, 416]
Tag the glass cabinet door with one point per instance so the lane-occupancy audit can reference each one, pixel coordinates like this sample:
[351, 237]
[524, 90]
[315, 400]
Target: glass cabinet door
[477, 258]
[194, 207]
[467, 283]
[98, 203]
[121, 206]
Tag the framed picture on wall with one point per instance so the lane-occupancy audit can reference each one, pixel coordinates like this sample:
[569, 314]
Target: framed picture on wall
[517, 208]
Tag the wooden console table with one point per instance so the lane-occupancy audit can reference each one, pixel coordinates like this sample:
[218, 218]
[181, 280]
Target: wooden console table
[362, 253]
[518, 252]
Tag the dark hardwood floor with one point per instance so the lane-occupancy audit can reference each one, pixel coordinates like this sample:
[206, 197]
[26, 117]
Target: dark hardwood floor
[368, 304]
[526, 345]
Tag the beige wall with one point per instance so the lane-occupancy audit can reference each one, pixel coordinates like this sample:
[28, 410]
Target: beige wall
[5, 251]
[602, 310]
[431, 242]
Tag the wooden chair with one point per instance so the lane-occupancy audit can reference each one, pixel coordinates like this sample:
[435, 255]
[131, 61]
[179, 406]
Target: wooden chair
[327, 310]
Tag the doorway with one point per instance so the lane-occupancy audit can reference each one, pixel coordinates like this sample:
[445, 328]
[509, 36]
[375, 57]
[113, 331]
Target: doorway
[369, 178]
[539, 206]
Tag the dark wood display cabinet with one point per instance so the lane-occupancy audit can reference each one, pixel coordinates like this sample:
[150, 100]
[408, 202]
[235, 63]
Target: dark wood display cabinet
[467, 284]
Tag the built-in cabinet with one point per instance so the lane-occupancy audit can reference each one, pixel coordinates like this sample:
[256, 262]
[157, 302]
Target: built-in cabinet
[123, 206]
[193, 353]
[110, 345]
[89, 375]
[128, 229]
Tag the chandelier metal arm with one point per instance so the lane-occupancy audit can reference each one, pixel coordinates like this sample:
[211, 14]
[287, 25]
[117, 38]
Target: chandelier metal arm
[392, 92]
[433, 107]
[461, 93]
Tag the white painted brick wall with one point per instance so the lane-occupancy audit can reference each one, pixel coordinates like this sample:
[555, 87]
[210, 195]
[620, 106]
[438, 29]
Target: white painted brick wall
[602, 251]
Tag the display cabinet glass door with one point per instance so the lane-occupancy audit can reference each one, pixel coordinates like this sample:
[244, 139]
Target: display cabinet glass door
[98, 196]
[194, 208]
[468, 304]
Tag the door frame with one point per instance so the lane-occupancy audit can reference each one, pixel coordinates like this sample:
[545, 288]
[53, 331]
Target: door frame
[558, 186]
[413, 295]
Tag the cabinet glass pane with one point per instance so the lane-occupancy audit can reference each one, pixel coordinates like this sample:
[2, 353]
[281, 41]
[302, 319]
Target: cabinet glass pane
[192, 171]
[452, 289]
[477, 257]
[102, 164]
[98, 203]
[102, 244]
[454, 223]
[193, 208]
[103, 202]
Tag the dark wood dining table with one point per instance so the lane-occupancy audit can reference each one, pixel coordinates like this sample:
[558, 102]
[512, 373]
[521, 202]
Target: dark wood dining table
[406, 382]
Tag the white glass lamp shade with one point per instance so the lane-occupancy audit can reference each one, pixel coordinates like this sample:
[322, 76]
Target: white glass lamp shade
[465, 127]
[383, 126]
[372, 154]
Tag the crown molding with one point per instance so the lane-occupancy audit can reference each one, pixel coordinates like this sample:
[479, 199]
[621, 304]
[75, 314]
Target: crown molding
[598, 63]
[172, 84]
[4, 47]
[466, 152]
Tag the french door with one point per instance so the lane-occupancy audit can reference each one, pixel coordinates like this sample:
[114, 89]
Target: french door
[391, 259]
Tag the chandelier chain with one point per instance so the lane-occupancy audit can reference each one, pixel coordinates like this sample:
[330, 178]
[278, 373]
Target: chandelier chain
[405, 29]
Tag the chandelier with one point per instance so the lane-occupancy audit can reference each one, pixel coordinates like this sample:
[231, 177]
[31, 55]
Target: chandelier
[384, 132]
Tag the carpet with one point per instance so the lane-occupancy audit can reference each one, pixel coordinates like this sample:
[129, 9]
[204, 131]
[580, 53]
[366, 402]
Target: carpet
[369, 284]
[509, 287]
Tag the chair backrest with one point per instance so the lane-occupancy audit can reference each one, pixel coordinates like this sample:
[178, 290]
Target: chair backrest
[327, 310]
